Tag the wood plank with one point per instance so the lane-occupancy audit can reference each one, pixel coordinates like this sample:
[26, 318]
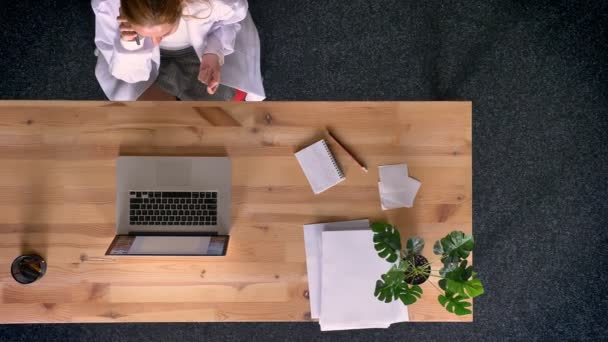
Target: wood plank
[36, 313]
[188, 312]
[207, 293]
[57, 198]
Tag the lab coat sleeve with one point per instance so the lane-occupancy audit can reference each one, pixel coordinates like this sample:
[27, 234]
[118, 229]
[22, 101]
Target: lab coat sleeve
[222, 35]
[126, 60]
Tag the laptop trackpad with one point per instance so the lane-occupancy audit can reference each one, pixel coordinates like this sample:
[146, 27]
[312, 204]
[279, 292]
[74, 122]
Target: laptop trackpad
[173, 172]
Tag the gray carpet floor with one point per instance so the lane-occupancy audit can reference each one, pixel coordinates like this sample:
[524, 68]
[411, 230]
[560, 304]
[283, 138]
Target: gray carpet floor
[538, 77]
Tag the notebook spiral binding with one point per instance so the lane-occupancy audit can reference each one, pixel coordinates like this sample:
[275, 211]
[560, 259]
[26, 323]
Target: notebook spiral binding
[333, 160]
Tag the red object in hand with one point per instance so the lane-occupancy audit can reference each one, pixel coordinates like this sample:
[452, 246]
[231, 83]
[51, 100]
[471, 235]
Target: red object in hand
[239, 96]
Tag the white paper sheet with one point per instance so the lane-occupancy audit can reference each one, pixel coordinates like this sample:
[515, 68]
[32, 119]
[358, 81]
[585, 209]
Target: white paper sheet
[312, 244]
[371, 325]
[393, 200]
[350, 268]
[392, 175]
[396, 188]
[400, 197]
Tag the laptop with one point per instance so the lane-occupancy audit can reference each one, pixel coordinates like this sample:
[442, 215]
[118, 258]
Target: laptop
[172, 206]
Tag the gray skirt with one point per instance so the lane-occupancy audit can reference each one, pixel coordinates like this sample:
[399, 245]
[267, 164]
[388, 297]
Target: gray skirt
[178, 76]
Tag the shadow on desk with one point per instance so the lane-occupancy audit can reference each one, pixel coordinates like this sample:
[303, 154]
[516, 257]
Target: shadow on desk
[169, 151]
[34, 233]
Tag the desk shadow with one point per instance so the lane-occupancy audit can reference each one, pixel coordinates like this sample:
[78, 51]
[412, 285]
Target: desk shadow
[405, 221]
[318, 136]
[172, 151]
[217, 116]
[34, 230]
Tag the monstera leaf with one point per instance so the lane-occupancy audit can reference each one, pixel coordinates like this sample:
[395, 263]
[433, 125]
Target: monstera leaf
[449, 264]
[462, 281]
[414, 245]
[387, 241]
[453, 248]
[392, 287]
[455, 303]
[438, 248]
[456, 244]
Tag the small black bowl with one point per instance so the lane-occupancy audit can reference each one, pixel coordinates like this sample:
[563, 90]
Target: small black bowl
[26, 269]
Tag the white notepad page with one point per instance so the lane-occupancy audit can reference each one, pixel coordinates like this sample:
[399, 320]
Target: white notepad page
[350, 268]
[319, 166]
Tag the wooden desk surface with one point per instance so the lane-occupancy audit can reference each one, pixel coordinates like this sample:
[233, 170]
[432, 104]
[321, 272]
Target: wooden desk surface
[57, 198]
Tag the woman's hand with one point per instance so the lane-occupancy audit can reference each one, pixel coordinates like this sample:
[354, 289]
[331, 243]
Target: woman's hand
[127, 33]
[209, 72]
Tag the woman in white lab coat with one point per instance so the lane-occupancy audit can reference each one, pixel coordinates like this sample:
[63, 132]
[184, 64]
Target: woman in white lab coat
[193, 49]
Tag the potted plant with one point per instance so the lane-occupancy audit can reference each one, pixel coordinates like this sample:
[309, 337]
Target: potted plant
[458, 283]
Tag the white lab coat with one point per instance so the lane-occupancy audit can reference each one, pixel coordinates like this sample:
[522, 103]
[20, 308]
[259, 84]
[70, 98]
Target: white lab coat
[125, 70]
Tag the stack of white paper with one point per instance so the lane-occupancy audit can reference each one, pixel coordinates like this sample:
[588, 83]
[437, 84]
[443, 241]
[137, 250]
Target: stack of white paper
[397, 188]
[342, 271]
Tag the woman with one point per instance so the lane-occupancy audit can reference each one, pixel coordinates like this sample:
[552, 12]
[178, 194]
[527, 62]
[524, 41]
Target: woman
[192, 49]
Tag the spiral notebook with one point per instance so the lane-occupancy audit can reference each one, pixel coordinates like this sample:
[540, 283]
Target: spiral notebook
[319, 166]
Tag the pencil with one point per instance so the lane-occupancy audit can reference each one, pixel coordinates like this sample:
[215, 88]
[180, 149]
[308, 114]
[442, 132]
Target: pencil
[35, 265]
[363, 167]
[137, 39]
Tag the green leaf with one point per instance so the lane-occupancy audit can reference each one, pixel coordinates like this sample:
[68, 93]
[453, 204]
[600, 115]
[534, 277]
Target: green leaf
[449, 264]
[453, 248]
[470, 288]
[382, 292]
[474, 288]
[410, 295]
[378, 227]
[455, 303]
[385, 287]
[460, 281]
[457, 245]
[414, 245]
[438, 248]
[387, 241]
[404, 264]
[383, 253]
[391, 287]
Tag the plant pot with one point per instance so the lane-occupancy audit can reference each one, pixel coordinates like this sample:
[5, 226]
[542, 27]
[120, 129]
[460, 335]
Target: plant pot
[418, 279]
[26, 269]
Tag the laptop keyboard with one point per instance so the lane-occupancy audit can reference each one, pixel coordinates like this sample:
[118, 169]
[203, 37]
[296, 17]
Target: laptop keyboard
[163, 208]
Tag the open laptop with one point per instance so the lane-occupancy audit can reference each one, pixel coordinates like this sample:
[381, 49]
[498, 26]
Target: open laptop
[172, 206]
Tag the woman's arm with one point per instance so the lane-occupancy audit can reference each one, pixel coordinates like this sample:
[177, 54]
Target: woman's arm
[127, 61]
[222, 35]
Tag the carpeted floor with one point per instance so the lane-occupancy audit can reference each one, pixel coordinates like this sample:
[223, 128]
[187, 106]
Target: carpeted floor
[538, 77]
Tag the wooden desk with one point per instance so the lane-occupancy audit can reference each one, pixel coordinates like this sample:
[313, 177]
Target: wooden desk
[57, 198]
